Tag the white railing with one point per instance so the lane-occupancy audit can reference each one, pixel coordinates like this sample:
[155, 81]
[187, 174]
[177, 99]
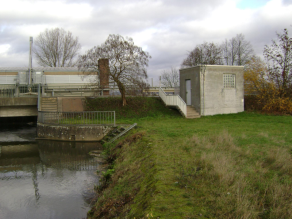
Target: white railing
[173, 100]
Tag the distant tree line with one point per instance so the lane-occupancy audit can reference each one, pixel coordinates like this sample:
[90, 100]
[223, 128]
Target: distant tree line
[235, 51]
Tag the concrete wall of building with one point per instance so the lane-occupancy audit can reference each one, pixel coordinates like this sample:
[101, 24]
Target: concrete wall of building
[209, 97]
[219, 100]
[192, 74]
[8, 77]
[72, 133]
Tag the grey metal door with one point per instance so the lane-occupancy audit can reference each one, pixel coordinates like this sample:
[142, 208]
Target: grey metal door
[188, 92]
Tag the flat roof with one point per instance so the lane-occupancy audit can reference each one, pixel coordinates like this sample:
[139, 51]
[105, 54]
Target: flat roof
[48, 69]
[218, 66]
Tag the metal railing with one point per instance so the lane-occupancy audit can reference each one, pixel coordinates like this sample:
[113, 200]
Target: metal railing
[122, 133]
[173, 100]
[107, 118]
[18, 91]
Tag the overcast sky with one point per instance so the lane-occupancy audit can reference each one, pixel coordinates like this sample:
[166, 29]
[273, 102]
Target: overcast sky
[167, 29]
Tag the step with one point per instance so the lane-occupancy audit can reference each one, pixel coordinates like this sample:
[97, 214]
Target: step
[193, 117]
[47, 99]
[49, 104]
[192, 113]
[189, 115]
[48, 108]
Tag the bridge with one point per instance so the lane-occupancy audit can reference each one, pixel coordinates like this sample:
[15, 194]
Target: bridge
[25, 100]
[18, 107]
[25, 91]
[16, 102]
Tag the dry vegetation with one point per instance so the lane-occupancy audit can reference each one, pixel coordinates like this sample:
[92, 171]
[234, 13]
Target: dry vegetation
[233, 183]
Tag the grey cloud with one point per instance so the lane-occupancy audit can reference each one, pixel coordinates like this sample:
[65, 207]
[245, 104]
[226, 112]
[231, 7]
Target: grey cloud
[169, 42]
[287, 2]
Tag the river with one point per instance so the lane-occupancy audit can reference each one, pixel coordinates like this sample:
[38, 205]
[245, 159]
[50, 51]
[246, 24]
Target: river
[44, 179]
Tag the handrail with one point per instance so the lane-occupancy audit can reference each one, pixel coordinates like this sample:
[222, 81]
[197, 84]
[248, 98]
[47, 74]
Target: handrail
[122, 133]
[107, 118]
[173, 100]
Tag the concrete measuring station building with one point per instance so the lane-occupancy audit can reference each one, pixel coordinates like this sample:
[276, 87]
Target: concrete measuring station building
[213, 89]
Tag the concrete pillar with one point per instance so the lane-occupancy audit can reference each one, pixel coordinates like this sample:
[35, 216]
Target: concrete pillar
[43, 91]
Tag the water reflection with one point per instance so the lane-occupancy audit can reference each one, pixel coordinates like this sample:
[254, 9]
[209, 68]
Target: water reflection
[46, 179]
[70, 155]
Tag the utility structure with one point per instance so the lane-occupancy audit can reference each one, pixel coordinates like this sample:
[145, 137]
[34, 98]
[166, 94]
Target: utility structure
[208, 90]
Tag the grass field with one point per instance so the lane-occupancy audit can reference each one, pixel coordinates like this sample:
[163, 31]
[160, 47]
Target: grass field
[224, 166]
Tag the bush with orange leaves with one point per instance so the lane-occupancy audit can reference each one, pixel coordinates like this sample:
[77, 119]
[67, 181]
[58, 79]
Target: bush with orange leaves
[261, 91]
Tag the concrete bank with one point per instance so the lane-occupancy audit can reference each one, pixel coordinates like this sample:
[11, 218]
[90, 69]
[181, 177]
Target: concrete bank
[72, 133]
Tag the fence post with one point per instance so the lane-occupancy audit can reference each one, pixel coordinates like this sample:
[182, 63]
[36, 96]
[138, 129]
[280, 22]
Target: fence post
[39, 97]
[114, 118]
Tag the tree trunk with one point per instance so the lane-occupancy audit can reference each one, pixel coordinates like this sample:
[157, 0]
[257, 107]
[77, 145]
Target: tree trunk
[123, 92]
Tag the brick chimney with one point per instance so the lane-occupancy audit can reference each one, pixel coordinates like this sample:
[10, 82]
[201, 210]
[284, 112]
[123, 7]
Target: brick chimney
[103, 65]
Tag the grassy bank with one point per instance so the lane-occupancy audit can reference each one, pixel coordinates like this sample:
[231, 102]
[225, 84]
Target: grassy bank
[225, 166]
[136, 108]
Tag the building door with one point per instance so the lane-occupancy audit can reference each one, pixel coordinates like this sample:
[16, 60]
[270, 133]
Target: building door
[188, 92]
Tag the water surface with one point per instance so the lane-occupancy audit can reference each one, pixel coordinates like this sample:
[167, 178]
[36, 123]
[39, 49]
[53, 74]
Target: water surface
[44, 179]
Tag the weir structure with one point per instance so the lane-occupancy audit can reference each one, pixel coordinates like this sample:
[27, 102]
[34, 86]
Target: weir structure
[75, 126]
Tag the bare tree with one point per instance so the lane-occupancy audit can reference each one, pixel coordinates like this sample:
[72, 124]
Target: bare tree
[237, 51]
[127, 62]
[225, 52]
[244, 50]
[139, 87]
[279, 57]
[170, 78]
[232, 50]
[206, 53]
[56, 48]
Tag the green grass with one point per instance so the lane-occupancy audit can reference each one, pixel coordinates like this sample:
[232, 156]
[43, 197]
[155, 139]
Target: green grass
[136, 108]
[223, 166]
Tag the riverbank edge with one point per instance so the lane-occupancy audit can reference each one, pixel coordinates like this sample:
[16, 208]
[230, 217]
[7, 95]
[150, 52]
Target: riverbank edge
[128, 184]
[72, 132]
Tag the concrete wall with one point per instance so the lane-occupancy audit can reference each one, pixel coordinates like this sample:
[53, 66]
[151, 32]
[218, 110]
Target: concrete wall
[71, 104]
[19, 101]
[18, 111]
[18, 107]
[26, 106]
[219, 100]
[209, 97]
[192, 74]
[72, 133]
